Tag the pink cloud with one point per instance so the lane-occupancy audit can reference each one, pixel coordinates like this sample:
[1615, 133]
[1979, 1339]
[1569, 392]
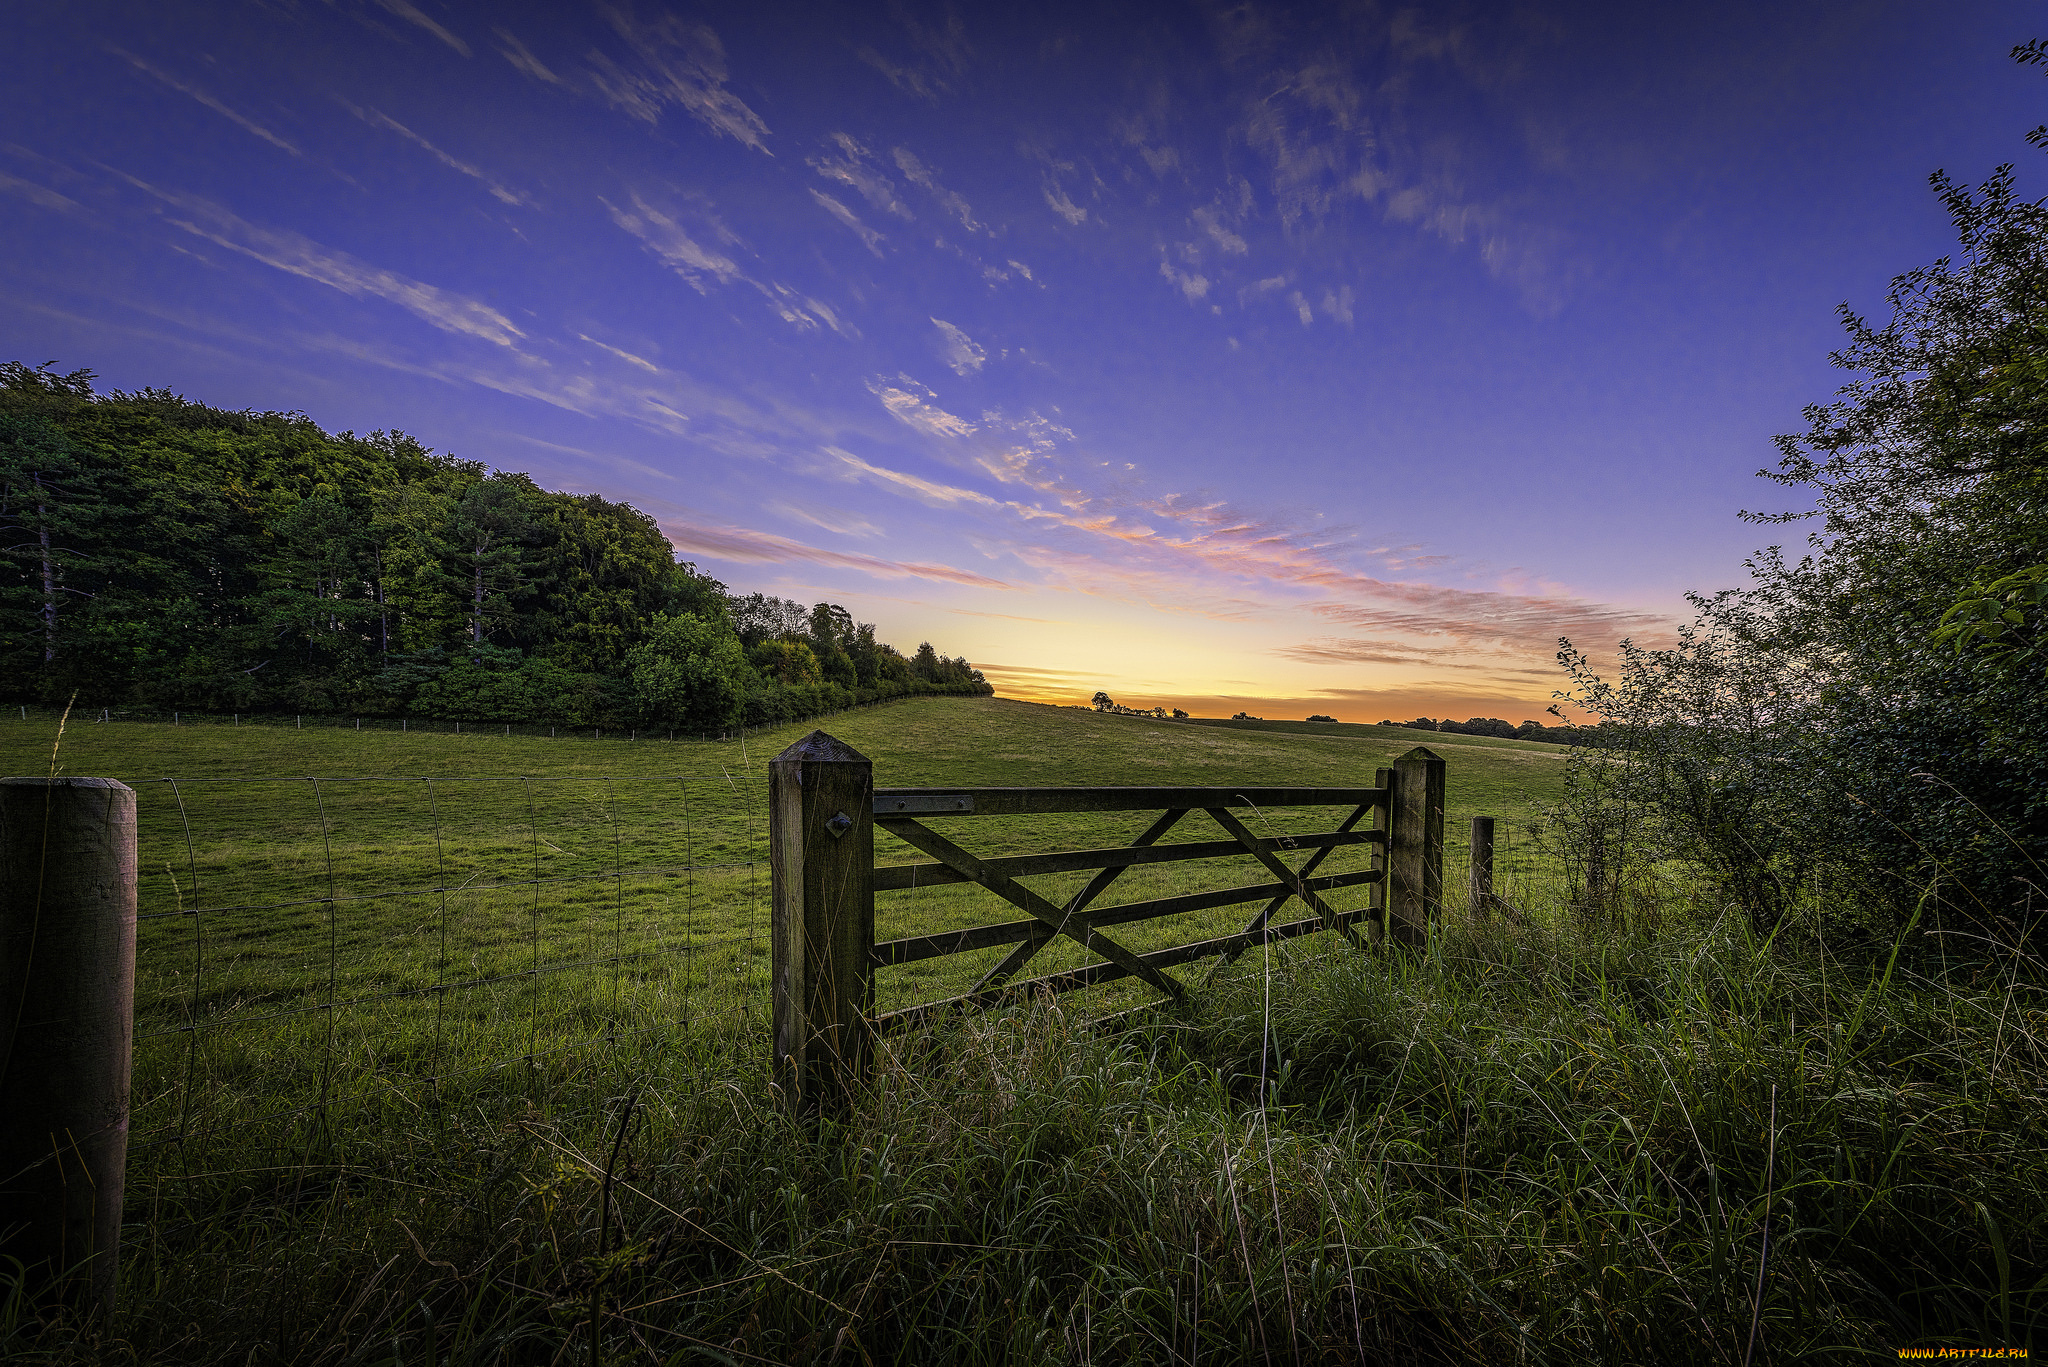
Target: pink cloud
[740, 543]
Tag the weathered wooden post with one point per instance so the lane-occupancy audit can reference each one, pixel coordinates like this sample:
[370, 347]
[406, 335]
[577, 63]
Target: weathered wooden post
[1415, 847]
[821, 836]
[1482, 865]
[1376, 893]
[67, 1012]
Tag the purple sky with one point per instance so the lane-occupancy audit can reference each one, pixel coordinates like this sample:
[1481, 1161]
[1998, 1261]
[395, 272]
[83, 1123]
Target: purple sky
[1332, 358]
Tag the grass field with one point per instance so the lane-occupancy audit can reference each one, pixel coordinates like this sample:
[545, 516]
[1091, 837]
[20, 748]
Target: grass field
[335, 922]
[460, 1062]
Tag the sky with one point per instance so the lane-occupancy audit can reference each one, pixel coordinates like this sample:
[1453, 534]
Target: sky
[1303, 359]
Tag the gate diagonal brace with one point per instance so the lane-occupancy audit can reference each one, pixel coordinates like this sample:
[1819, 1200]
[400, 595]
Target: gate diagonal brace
[1244, 837]
[1021, 955]
[1259, 921]
[1071, 924]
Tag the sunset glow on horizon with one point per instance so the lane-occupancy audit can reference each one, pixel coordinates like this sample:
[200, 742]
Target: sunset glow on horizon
[1331, 359]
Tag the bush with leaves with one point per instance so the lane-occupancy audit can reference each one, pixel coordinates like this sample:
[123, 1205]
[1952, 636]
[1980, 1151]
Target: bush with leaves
[1820, 728]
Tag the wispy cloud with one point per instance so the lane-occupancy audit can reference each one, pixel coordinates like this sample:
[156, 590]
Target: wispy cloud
[1143, 130]
[38, 196]
[1469, 617]
[871, 239]
[917, 173]
[1062, 204]
[666, 238]
[829, 519]
[301, 256]
[377, 118]
[744, 544]
[1190, 284]
[1209, 218]
[943, 52]
[929, 492]
[185, 88]
[801, 311]
[628, 357]
[674, 61]
[854, 168]
[522, 58]
[412, 15]
[916, 407]
[958, 350]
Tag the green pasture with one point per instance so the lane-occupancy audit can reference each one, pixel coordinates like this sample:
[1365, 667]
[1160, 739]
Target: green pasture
[336, 921]
[454, 1057]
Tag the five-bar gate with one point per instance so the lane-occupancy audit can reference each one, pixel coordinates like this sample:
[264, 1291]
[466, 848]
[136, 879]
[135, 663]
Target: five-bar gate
[824, 809]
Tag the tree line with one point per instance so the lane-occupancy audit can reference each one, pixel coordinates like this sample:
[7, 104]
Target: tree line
[163, 553]
[1494, 726]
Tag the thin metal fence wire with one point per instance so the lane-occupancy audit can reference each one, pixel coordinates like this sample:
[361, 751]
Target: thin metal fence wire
[325, 950]
[289, 721]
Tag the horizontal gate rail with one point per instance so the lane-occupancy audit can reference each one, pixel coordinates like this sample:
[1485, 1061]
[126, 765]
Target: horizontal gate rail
[825, 811]
[1093, 974]
[916, 948]
[1047, 801]
[897, 877]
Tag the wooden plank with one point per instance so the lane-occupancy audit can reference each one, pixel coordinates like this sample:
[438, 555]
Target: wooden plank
[917, 948]
[1031, 801]
[897, 877]
[1094, 974]
[1023, 898]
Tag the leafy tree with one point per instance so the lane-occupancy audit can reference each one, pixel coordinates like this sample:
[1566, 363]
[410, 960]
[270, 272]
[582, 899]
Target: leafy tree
[690, 673]
[51, 511]
[789, 662]
[490, 529]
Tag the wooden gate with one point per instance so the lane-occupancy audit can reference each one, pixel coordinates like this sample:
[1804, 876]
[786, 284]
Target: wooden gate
[824, 809]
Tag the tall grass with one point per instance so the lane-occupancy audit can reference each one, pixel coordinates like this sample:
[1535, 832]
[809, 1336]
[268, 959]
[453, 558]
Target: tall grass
[1527, 1144]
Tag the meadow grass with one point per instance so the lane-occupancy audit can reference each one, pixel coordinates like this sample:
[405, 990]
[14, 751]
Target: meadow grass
[1663, 1142]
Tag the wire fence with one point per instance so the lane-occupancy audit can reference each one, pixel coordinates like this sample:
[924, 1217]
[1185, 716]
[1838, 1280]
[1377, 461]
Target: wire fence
[315, 954]
[441, 726]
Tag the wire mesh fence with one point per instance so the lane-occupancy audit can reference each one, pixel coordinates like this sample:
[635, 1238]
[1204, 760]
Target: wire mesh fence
[316, 954]
[82, 715]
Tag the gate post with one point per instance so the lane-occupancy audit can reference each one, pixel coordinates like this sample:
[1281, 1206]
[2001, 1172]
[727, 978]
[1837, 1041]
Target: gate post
[67, 1016]
[1382, 854]
[1415, 847]
[821, 837]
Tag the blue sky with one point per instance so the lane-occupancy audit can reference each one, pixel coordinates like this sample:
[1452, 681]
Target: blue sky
[1323, 358]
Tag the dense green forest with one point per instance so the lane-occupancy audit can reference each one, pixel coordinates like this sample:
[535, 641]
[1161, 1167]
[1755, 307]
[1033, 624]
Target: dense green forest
[162, 553]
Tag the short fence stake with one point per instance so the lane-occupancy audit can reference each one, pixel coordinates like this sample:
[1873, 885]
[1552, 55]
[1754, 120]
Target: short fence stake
[1482, 865]
[67, 1010]
[821, 841]
[1415, 846]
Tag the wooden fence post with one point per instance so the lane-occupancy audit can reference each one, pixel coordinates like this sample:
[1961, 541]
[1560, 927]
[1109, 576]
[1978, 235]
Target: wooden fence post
[821, 836]
[1415, 863]
[1376, 893]
[1482, 865]
[67, 1012]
